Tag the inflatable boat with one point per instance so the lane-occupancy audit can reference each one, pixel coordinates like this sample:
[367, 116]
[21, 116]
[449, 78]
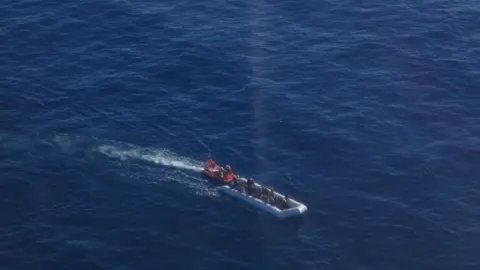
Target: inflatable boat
[281, 206]
[254, 194]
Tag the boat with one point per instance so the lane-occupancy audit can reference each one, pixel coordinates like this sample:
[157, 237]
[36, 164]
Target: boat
[215, 172]
[255, 194]
[292, 207]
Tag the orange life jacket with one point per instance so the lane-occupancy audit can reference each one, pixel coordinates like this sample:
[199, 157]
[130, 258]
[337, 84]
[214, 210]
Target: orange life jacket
[229, 177]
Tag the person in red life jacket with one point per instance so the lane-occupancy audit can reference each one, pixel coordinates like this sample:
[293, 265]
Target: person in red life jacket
[229, 176]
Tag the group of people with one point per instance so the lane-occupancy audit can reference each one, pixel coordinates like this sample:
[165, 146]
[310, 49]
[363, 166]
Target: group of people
[226, 174]
[265, 194]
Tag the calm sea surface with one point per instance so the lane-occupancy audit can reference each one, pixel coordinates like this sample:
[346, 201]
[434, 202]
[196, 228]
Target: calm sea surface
[367, 112]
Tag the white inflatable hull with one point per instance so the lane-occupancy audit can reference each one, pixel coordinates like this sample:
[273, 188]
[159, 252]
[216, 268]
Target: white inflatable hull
[296, 208]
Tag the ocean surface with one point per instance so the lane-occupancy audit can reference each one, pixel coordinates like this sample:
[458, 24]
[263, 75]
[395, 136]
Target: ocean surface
[366, 111]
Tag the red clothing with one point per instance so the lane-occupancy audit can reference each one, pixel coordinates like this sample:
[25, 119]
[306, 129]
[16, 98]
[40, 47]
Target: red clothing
[211, 163]
[229, 177]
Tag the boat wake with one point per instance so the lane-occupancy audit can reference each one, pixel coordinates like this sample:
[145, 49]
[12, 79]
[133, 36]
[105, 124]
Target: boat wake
[157, 156]
[87, 148]
[165, 158]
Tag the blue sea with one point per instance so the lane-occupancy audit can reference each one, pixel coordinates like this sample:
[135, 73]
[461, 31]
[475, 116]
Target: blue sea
[366, 111]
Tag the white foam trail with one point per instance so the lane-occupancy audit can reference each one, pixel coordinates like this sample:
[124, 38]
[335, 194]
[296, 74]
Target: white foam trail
[165, 158]
[73, 145]
[193, 184]
[157, 156]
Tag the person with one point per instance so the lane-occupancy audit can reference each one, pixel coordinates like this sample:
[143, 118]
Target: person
[240, 187]
[265, 194]
[229, 176]
[272, 191]
[281, 202]
[271, 196]
[235, 184]
[250, 186]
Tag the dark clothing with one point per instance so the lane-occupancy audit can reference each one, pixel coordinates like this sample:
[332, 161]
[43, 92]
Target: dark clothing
[250, 187]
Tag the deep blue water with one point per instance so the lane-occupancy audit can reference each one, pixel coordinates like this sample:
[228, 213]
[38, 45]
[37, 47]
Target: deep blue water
[368, 112]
